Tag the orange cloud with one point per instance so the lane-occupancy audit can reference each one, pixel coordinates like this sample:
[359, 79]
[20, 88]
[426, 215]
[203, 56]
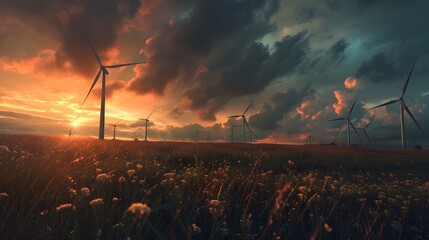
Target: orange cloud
[30, 65]
[342, 101]
[301, 109]
[351, 83]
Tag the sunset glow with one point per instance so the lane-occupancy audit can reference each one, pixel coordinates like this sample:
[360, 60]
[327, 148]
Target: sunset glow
[201, 70]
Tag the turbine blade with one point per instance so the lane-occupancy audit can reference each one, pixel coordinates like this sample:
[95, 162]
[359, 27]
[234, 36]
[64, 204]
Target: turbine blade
[123, 65]
[247, 125]
[93, 84]
[150, 114]
[93, 50]
[248, 108]
[234, 116]
[118, 121]
[337, 119]
[404, 89]
[385, 104]
[351, 109]
[366, 134]
[369, 123]
[412, 117]
[354, 128]
[77, 117]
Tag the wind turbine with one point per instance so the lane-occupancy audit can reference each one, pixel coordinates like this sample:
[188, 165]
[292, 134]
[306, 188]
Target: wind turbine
[251, 133]
[363, 129]
[146, 122]
[71, 129]
[349, 123]
[70, 132]
[197, 133]
[231, 131]
[308, 139]
[243, 117]
[114, 128]
[103, 69]
[402, 107]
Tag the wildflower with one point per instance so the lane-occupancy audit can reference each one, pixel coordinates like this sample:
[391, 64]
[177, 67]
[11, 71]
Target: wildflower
[85, 191]
[102, 177]
[98, 170]
[118, 225]
[115, 200]
[327, 227]
[72, 191]
[169, 174]
[139, 167]
[64, 207]
[290, 162]
[4, 149]
[121, 179]
[4, 195]
[139, 209]
[131, 172]
[195, 229]
[96, 201]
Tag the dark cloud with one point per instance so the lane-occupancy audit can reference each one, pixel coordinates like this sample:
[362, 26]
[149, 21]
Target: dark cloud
[324, 60]
[380, 68]
[306, 14]
[68, 20]
[142, 124]
[217, 54]
[110, 89]
[281, 104]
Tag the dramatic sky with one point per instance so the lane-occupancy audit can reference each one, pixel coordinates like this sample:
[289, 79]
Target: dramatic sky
[301, 62]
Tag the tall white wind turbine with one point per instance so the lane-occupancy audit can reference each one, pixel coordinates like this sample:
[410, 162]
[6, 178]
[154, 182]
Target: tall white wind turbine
[103, 69]
[146, 122]
[243, 118]
[349, 123]
[402, 107]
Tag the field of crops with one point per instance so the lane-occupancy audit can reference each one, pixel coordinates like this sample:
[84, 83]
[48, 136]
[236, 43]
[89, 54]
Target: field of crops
[73, 188]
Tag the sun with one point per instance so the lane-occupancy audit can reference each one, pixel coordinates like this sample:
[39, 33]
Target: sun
[75, 124]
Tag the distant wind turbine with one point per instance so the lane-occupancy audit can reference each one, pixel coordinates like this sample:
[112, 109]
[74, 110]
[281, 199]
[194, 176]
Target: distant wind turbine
[365, 134]
[71, 129]
[251, 133]
[103, 69]
[231, 130]
[197, 133]
[244, 124]
[146, 122]
[402, 107]
[114, 128]
[349, 123]
[309, 139]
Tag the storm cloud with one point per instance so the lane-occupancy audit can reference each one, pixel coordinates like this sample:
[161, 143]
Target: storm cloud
[281, 104]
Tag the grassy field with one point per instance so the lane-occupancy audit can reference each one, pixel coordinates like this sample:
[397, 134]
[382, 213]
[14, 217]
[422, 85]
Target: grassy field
[73, 188]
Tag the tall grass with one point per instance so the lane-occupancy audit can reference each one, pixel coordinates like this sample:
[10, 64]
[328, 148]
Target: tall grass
[71, 188]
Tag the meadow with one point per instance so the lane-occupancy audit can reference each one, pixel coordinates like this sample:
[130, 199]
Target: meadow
[81, 188]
